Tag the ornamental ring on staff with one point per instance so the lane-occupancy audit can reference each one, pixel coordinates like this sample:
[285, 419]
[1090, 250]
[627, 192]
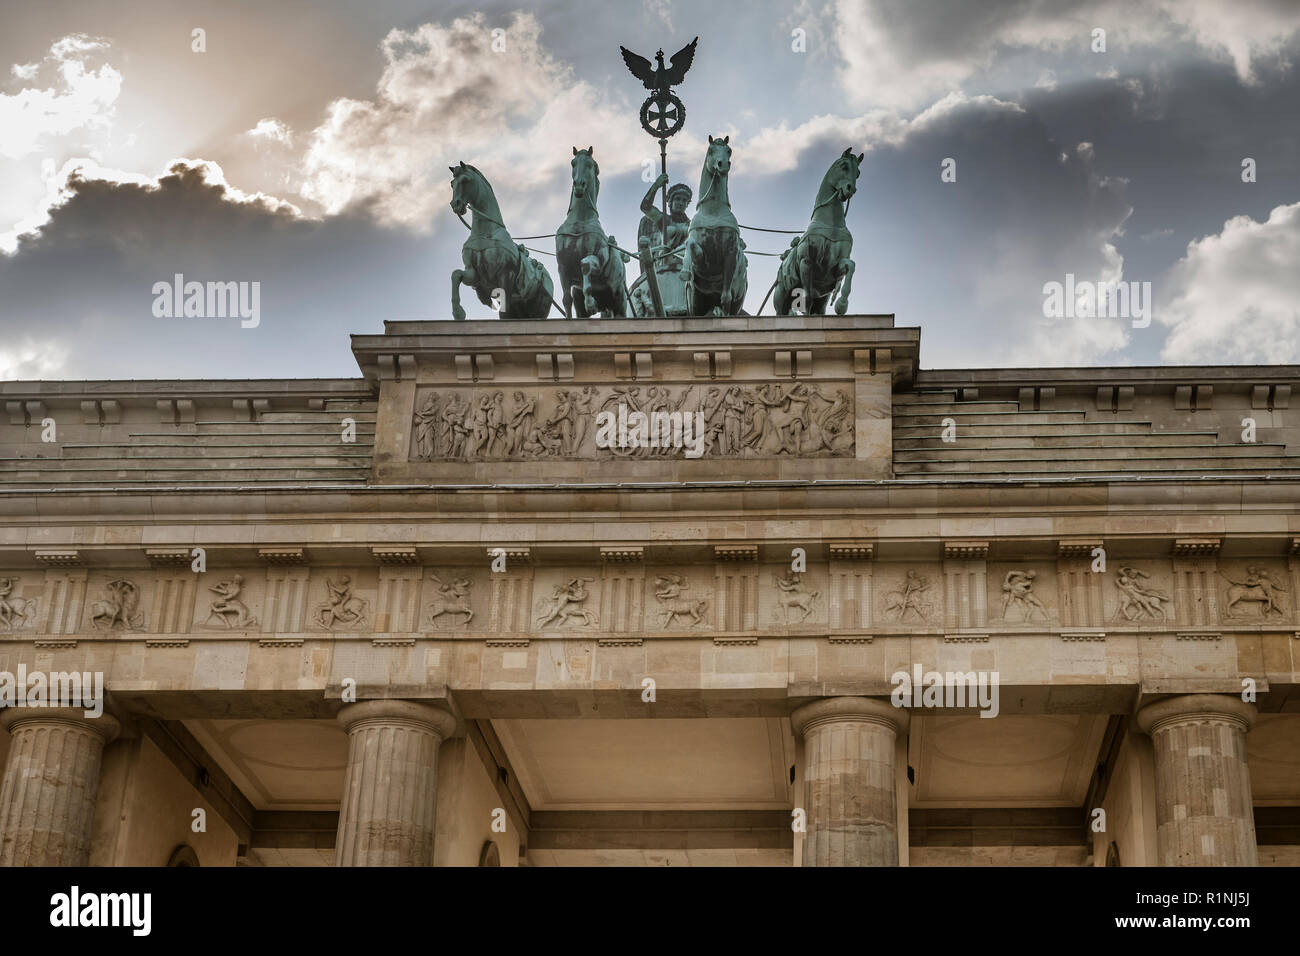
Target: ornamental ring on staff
[663, 114]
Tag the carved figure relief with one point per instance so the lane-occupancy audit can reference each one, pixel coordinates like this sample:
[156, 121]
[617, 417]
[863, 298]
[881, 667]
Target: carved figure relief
[775, 419]
[453, 599]
[913, 598]
[796, 419]
[227, 608]
[119, 608]
[672, 605]
[343, 609]
[792, 593]
[1257, 596]
[15, 612]
[1018, 593]
[1139, 600]
[565, 605]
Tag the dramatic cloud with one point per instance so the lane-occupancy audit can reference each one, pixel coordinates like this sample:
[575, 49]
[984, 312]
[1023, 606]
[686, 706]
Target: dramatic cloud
[961, 258]
[900, 53]
[457, 92]
[1235, 296]
[78, 290]
[77, 99]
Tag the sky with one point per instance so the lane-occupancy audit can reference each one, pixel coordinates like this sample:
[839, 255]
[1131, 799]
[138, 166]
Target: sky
[304, 145]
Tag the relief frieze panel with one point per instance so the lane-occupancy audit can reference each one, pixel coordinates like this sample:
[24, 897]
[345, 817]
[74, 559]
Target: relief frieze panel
[633, 421]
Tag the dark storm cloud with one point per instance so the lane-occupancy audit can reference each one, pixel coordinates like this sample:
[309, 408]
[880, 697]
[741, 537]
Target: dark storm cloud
[85, 279]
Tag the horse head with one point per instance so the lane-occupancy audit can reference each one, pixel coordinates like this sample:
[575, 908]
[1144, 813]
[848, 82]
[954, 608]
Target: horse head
[464, 187]
[842, 178]
[586, 174]
[717, 160]
[470, 189]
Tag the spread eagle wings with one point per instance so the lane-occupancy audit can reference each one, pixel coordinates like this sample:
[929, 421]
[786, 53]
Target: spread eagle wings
[656, 79]
[680, 63]
[641, 68]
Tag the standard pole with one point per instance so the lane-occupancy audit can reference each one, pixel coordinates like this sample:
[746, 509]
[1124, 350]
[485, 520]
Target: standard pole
[663, 168]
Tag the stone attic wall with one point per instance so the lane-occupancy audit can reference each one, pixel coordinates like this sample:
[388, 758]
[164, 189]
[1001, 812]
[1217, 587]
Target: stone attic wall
[1097, 421]
[185, 433]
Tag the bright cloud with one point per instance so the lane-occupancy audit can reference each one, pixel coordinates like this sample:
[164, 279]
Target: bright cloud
[446, 96]
[77, 97]
[1235, 296]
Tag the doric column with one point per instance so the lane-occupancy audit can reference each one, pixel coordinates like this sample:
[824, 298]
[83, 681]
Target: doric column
[850, 794]
[47, 797]
[1204, 815]
[390, 789]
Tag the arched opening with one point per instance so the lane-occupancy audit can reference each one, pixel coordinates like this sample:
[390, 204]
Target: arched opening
[183, 855]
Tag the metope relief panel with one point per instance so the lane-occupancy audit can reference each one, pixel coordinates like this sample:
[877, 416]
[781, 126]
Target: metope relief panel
[679, 598]
[453, 600]
[909, 595]
[590, 422]
[116, 602]
[227, 600]
[1255, 592]
[20, 602]
[565, 600]
[342, 600]
[791, 598]
[1022, 594]
[1139, 592]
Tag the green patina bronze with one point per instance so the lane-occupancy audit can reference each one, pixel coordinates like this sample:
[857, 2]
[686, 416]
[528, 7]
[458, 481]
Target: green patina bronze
[818, 261]
[590, 263]
[690, 265]
[494, 265]
[663, 259]
[714, 265]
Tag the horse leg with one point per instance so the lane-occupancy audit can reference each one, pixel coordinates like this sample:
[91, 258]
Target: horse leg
[805, 278]
[692, 250]
[568, 298]
[588, 300]
[726, 297]
[846, 285]
[458, 277]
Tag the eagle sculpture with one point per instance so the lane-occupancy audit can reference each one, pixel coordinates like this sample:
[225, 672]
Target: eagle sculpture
[661, 77]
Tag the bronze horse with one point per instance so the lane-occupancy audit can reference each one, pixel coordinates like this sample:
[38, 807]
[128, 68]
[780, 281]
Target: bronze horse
[502, 273]
[587, 258]
[714, 265]
[818, 261]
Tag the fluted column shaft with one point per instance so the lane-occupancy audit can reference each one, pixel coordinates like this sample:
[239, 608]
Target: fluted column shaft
[1204, 812]
[51, 778]
[850, 788]
[390, 790]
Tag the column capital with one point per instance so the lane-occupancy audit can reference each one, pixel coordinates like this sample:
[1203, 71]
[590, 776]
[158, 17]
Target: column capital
[1190, 707]
[833, 709]
[106, 725]
[420, 716]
